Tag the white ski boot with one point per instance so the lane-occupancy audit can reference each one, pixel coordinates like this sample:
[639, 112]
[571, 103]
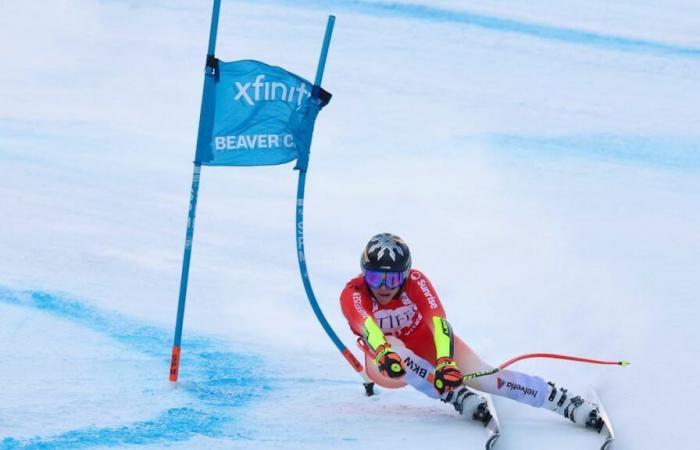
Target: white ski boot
[468, 402]
[573, 407]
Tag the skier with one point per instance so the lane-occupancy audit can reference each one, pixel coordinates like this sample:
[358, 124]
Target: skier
[406, 339]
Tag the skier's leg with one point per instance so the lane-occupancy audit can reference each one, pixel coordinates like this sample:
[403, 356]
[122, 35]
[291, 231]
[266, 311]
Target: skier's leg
[524, 388]
[419, 372]
[517, 386]
[573, 407]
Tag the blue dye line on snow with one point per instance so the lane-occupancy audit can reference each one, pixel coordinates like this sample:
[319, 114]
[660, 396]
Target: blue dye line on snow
[670, 152]
[176, 424]
[218, 381]
[495, 23]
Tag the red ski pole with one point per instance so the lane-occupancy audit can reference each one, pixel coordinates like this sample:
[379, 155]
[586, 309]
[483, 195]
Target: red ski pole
[487, 372]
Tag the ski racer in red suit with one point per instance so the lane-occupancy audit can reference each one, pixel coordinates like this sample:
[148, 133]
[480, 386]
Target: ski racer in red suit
[406, 338]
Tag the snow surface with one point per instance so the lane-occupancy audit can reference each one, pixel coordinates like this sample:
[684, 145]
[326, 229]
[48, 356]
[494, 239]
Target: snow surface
[541, 158]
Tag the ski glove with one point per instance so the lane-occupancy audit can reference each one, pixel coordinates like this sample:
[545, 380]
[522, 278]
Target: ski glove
[389, 362]
[447, 375]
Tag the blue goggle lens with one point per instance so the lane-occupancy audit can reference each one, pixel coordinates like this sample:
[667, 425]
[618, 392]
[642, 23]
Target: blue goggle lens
[391, 280]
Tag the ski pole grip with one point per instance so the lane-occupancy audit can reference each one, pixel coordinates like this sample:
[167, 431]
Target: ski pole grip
[482, 373]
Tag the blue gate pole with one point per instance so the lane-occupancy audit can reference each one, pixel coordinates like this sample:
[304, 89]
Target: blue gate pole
[300, 227]
[203, 140]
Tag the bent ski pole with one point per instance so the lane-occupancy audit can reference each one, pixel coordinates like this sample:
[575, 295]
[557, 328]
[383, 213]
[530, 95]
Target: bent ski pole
[487, 372]
[303, 270]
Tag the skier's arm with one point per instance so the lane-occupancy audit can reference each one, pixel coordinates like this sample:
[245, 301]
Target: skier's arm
[447, 376]
[444, 339]
[419, 287]
[388, 361]
[355, 307]
[373, 335]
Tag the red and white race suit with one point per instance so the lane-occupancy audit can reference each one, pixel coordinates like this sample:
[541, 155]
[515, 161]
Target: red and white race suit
[407, 325]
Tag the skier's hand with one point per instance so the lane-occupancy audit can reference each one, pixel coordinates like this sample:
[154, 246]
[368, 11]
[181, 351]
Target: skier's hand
[447, 375]
[389, 362]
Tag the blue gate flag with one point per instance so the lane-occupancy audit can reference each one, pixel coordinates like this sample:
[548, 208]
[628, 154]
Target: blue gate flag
[262, 115]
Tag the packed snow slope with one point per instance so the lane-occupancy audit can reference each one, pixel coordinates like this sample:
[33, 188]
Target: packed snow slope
[542, 160]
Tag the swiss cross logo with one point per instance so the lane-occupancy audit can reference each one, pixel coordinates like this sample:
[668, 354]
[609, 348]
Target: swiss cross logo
[499, 382]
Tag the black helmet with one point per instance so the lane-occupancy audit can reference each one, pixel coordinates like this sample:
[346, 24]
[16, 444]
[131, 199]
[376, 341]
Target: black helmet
[386, 252]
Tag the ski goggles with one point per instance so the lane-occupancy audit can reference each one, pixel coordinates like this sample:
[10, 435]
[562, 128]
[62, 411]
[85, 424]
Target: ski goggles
[391, 280]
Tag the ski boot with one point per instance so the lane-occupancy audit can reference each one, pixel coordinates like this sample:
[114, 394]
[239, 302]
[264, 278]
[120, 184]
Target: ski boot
[574, 408]
[468, 402]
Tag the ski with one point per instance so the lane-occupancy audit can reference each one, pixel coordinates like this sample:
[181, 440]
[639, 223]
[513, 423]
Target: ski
[486, 413]
[607, 429]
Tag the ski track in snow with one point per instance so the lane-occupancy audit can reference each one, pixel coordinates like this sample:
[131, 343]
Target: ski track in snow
[670, 152]
[217, 380]
[501, 24]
